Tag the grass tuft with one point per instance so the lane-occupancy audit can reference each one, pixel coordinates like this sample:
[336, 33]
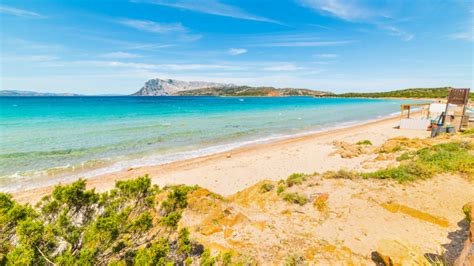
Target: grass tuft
[295, 179]
[341, 174]
[266, 188]
[364, 142]
[295, 198]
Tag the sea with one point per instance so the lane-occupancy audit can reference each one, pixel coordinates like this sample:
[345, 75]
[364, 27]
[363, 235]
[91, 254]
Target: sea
[46, 140]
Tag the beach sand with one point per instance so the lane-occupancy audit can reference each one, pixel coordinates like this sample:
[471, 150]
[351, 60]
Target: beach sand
[229, 172]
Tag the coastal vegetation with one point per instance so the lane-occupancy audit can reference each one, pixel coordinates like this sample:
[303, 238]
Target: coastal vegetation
[405, 93]
[245, 91]
[76, 226]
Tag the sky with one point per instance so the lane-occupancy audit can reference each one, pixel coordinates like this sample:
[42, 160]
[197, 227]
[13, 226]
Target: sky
[114, 46]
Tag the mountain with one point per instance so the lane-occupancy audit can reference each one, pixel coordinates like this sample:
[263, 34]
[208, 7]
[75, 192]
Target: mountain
[160, 87]
[32, 93]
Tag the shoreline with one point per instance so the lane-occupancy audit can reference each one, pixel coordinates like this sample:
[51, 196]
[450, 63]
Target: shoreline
[199, 170]
[185, 155]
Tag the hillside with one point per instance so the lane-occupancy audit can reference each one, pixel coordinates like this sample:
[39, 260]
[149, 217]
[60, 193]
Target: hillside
[252, 91]
[405, 93]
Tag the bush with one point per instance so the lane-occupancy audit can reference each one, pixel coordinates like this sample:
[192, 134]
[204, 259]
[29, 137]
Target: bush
[184, 243]
[207, 259]
[171, 219]
[75, 195]
[405, 156]
[295, 179]
[364, 142]
[280, 189]
[143, 222]
[266, 188]
[403, 173]
[295, 198]
[468, 132]
[136, 187]
[340, 174]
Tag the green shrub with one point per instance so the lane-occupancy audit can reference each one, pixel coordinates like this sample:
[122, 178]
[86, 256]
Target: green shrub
[75, 195]
[171, 219]
[143, 222]
[340, 174]
[184, 243]
[405, 156]
[176, 199]
[207, 259]
[364, 142]
[294, 260]
[227, 258]
[266, 187]
[295, 179]
[154, 255]
[467, 209]
[134, 187]
[403, 173]
[280, 189]
[468, 132]
[295, 198]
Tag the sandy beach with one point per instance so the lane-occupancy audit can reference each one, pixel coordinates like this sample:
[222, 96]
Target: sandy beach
[229, 172]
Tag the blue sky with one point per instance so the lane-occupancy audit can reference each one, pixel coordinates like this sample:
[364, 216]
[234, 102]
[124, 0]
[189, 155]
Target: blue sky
[113, 46]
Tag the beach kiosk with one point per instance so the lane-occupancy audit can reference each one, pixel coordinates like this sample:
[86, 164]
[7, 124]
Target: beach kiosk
[408, 122]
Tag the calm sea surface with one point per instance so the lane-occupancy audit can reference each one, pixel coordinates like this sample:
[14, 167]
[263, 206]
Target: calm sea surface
[44, 140]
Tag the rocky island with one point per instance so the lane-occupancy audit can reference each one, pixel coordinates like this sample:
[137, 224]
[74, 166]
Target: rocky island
[172, 87]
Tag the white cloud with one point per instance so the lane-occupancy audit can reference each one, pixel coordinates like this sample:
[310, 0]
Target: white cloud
[306, 43]
[174, 67]
[356, 11]
[346, 10]
[237, 51]
[465, 33]
[19, 12]
[119, 55]
[151, 26]
[328, 55]
[394, 31]
[284, 67]
[465, 36]
[213, 7]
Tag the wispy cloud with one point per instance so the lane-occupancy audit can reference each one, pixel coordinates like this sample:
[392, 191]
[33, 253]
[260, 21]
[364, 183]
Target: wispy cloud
[213, 7]
[395, 31]
[306, 43]
[327, 55]
[346, 10]
[151, 26]
[356, 11]
[32, 45]
[466, 32]
[284, 67]
[19, 12]
[32, 58]
[119, 55]
[146, 66]
[237, 51]
[465, 36]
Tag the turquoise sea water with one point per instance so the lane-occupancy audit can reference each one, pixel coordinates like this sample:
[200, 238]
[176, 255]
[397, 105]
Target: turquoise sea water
[44, 140]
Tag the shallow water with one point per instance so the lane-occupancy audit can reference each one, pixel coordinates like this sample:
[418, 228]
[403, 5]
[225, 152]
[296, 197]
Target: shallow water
[55, 138]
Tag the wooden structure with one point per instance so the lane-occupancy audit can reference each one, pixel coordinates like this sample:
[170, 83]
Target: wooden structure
[459, 97]
[407, 107]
